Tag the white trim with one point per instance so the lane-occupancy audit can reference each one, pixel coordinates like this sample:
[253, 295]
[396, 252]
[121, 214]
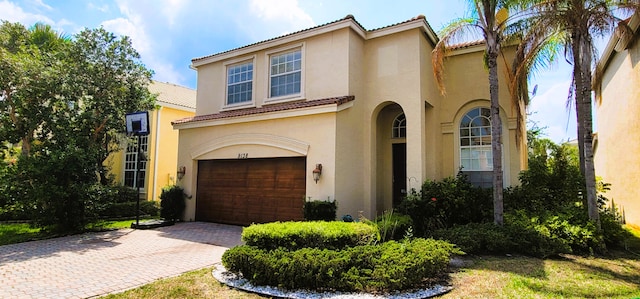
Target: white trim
[286, 143]
[236, 62]
[155, 155]
[267, 71]
[175, 106]
[506, 156]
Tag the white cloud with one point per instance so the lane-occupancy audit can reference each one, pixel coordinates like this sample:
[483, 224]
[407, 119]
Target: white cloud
[137, 22]
[128, 27]
[282, 12]
[14, 13]
[100, 8]
[171, 9]
[42, 4]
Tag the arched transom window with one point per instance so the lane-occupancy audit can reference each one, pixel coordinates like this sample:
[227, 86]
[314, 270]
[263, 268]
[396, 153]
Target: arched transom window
[475, 140]
[399, 129]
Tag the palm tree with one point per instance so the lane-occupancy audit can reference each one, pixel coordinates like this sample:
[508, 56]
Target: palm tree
[46, 38]
[490, 20]
[576, 23]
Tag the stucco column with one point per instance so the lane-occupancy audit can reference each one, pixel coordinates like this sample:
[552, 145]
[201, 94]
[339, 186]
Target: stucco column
[416, 144]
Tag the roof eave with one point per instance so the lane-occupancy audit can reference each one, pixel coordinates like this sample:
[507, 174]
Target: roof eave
[615, 43]
[348, 22]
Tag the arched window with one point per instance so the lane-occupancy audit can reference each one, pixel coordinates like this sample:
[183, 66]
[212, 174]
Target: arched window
[399, 129]
[475, 140]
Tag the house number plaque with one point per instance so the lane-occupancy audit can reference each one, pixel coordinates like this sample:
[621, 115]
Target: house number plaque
[243, 155]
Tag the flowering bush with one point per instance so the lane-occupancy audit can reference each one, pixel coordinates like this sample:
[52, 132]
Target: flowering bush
[445, 203]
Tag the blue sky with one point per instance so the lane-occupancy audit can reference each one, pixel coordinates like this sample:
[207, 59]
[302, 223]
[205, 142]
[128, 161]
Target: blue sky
[169, 33]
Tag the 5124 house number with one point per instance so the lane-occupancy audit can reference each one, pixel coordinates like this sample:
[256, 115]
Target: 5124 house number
[243, 155]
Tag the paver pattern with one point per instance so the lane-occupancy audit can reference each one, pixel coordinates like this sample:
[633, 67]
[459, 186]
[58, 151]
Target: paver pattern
[94, 264]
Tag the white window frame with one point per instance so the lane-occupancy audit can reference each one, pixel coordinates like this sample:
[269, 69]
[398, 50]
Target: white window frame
[478, 143]
[399, 126]
[235, 63]
[283, 51]
[130, 158]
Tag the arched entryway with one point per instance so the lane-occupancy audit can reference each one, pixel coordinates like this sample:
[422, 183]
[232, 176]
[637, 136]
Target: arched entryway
[391, 156]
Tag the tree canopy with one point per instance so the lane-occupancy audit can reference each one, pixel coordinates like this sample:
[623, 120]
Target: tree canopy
[64, 100]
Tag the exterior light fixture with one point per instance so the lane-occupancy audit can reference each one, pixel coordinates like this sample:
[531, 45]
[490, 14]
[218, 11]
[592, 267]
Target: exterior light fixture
[181, 171]
[317, 172]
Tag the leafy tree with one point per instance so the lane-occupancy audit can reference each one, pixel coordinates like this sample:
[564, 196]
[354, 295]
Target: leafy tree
[574, 24]
[64, 99]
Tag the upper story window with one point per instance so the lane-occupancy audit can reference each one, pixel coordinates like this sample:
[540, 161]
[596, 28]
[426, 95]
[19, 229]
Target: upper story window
[475, 140]
[240, 83]
[399, 129]
[285, 74]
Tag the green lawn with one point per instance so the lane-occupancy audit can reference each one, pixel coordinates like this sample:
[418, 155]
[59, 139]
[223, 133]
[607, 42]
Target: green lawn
[11, 233]
[19, 232]
[616, 275]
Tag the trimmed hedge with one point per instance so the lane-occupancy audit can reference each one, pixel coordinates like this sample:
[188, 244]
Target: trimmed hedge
[128, 209]
[315, 234]
[385, 267]
[172, 202]
[315, 210]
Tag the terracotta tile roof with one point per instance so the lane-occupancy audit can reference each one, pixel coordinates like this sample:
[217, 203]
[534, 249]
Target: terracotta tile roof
[466, 45]
[418, 17]
[174, 94]
[351, 17]
[266, 109]
[278, 37]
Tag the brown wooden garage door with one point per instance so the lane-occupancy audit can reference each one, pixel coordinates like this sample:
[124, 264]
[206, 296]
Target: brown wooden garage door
[251, 190]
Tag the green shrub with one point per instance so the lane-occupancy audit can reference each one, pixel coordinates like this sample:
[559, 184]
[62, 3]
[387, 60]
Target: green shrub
[614, 234]
[393, 226]
[525, 235]
[385, 267]
[320, 210]
[128, 209]
[452, 201]
[316, 234]
[172, 202]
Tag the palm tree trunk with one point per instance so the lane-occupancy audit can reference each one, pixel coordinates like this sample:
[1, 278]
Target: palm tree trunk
[496, 131]
[582, 52]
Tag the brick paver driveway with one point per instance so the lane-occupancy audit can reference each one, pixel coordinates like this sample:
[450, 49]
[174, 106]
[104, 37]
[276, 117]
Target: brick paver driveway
[96, 264]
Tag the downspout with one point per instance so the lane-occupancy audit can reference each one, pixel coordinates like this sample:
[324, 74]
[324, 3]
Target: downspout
[155, 154]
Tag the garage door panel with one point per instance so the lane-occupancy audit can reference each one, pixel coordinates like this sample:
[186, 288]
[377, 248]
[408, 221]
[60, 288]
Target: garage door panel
[251, 191]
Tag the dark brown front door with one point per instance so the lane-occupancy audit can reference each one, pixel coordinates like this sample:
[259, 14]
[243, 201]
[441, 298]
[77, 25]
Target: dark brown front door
[251, 190]
[399, 172]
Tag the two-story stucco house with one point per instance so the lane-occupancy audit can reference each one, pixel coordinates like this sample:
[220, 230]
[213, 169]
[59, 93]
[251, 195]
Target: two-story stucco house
[617, 147]
[336, 112]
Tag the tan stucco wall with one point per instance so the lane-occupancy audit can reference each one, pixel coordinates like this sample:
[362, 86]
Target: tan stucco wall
[349, 137]
[617, 155]
[383, 72]
[325, 65]
[226, 141]
[467, 87]
[393, 76]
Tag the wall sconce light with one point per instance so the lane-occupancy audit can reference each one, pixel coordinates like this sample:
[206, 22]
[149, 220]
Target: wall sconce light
[317, 172]
[181, 171]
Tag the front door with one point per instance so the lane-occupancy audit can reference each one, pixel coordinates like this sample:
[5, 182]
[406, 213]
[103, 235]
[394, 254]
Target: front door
[399, 172]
